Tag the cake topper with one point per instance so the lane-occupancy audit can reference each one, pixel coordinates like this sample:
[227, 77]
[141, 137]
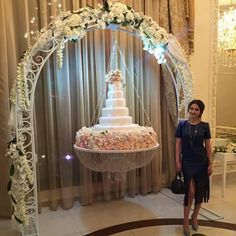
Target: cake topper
[114, 76]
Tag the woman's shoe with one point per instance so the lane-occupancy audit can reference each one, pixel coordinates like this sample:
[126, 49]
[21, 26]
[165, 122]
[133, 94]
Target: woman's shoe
[194, 226]
[186, 233]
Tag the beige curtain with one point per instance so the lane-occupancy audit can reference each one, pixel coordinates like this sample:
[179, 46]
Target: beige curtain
[8, 57]
[66, 100]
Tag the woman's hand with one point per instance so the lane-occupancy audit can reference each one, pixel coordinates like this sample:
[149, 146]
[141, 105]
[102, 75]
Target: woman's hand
[178, 166]
[210, 169]
[178, 148]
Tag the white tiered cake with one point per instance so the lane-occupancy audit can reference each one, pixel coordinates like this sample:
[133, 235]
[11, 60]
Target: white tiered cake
[115, 115]
[115, 130]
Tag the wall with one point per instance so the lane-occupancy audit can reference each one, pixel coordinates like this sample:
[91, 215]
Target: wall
[203, 69]
[226, 97]
[201, 60]
[226, 87]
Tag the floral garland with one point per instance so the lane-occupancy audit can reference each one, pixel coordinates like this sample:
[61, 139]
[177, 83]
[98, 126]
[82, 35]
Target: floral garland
[21, 181]
[74, 25]
[141, 137]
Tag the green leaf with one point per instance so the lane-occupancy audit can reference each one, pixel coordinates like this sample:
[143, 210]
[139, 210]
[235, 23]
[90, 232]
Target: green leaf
[14, 140]
[18, 220]
[12, 170]
[20, 152]
[12, 210]
[74, 40]
[106, 6]
[13, 199]
[129, 7]
[9, 185]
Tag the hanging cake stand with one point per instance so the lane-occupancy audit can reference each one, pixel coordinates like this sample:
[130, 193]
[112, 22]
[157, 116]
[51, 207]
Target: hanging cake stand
[115, 162]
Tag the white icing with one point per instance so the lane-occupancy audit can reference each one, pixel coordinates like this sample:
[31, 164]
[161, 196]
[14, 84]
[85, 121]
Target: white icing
[115, 115]
[115, 94]
[116, 85]
[118, 120]
[119, 111]
[115, 102]
[100, 127]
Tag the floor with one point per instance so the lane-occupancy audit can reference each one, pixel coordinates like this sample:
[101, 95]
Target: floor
[81, 220]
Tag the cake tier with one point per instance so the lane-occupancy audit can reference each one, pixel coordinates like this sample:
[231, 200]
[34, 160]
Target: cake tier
[115, 127]
[116, 85]
[115, 102]
[118, 111]
[118, 120]
[131, 137]
[115, 94]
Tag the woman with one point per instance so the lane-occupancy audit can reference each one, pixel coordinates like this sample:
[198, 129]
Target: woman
[194, 159]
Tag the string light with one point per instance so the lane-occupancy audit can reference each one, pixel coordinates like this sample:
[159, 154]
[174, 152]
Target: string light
[31, 35]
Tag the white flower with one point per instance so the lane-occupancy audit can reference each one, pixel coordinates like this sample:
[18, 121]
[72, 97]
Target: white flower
[101, 24]
[74, 20]
[129, 16]
[21, 180]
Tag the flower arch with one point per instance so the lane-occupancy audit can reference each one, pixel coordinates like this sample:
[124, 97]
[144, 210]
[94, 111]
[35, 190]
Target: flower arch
[73, 26]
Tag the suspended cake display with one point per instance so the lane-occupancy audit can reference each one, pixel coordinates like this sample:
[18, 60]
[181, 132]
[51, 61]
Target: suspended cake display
[115, 130]
[116, 144]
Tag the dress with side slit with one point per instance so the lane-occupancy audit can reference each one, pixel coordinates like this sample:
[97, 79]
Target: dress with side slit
[194, 158]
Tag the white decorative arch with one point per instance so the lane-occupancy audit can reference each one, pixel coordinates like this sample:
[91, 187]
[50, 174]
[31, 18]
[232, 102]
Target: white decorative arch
[73, 26]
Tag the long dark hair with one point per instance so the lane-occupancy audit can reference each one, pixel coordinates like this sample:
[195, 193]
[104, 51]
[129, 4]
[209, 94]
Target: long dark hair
[199, 103]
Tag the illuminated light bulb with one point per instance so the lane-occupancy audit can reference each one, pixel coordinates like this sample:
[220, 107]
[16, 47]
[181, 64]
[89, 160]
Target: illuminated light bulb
[31, 32]
[43, 156]
[59, 5]
[227, 37]
[68, 157]
[26, 35]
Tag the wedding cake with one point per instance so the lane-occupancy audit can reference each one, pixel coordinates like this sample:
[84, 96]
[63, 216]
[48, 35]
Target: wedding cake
[116, 130]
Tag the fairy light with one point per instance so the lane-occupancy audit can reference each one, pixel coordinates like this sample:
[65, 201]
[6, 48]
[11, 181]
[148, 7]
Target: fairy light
[33, 31]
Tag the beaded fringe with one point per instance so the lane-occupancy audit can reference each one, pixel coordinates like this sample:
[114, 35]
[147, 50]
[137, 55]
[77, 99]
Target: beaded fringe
[202, 189]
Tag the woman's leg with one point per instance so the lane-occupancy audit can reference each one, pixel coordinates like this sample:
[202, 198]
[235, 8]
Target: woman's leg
[187, 208]
[195, 213]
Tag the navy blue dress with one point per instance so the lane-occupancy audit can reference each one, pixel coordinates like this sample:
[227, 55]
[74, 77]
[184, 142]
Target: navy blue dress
[194, 158]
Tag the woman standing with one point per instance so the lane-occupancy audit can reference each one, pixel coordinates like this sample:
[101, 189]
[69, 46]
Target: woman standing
[194, 159]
